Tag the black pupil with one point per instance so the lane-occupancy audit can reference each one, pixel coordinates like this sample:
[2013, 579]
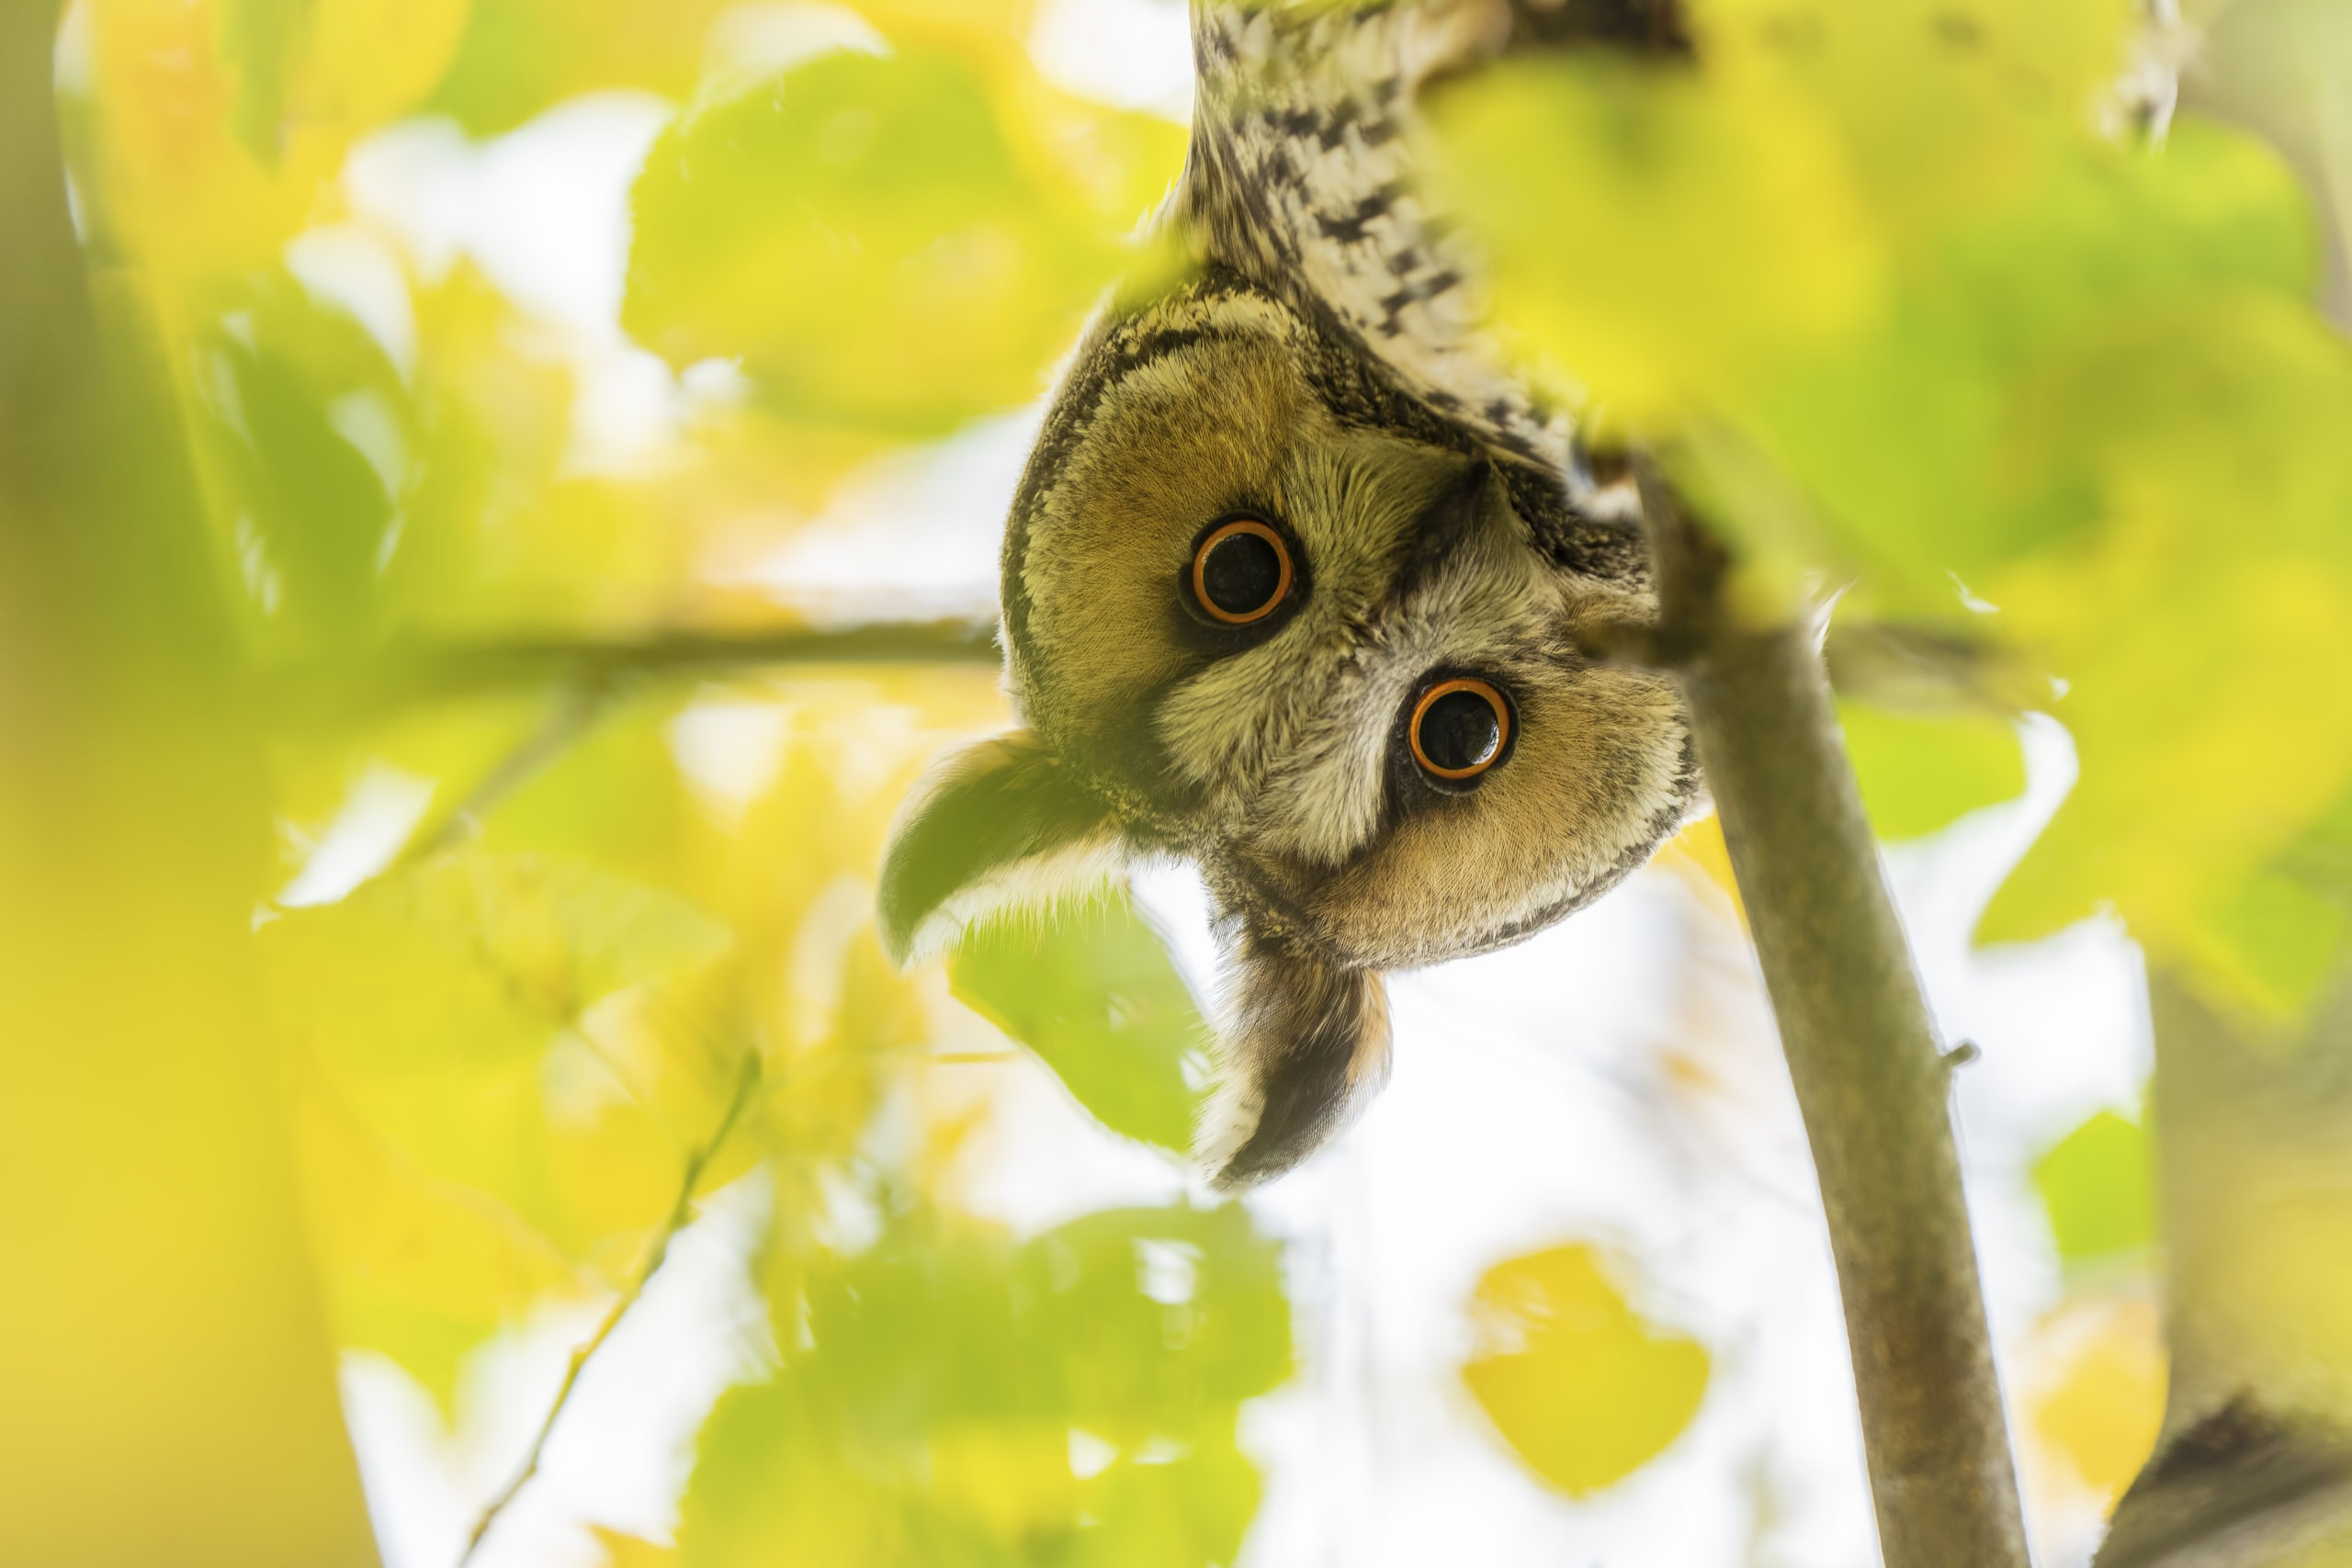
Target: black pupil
[1242, 574]
[1460, 730]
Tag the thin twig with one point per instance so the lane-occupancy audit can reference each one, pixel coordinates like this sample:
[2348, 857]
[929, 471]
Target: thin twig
[655, 1256]
[574, 708]
[1861, 1051]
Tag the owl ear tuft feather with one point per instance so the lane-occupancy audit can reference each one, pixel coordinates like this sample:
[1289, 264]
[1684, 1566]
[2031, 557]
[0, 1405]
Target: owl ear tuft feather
[1307, 1047]
[1000, 825]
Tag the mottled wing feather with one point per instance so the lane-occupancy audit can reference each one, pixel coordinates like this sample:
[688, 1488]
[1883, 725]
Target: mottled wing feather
[1301, 177]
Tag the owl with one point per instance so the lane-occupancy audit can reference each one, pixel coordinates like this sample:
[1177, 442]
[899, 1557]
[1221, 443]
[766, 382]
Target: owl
[1295, 583]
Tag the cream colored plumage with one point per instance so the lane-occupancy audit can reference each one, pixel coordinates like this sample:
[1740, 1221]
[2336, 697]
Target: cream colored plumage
[1324, 376]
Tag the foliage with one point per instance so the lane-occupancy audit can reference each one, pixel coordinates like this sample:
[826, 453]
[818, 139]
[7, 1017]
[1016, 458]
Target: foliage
[1895, 310]
[1898, 311]
[1580, 1386]
[874, 242]
[1069, 1400]
[1919, 772]
[2098, 1190]
[1096, 998]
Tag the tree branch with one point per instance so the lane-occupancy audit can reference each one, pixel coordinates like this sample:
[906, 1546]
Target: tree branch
[439, 671]
[1870, 1079]
[680, 1209]
[142, 1133]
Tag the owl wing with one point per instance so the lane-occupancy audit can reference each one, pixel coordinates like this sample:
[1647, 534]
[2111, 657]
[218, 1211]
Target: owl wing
[1302, 177]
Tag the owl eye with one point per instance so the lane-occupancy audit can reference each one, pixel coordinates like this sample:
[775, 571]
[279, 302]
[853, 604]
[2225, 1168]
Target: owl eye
[1242, 572]
[1459, 730]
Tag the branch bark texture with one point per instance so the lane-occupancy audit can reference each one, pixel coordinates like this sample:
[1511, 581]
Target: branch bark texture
[1869, 1079]
[444, 672]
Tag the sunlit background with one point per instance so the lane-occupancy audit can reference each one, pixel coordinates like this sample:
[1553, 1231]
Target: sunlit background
[1563, 1296]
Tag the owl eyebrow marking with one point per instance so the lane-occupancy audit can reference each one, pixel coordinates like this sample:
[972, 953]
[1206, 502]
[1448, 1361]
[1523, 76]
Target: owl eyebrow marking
[1442, 529]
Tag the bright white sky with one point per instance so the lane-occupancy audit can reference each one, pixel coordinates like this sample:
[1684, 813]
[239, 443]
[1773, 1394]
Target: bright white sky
[1614, 1080]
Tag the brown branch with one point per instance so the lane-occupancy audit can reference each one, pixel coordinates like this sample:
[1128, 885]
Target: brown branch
[680, 1209]
[439, 671]
[1869, 1079]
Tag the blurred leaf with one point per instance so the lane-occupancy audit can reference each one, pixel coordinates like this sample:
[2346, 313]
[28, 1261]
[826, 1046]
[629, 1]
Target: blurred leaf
[2271, 940]
[1585, 1392]
[349, 64]
[1700, 848]
[2081, 377]
[262, 39]
[503, 943]
[171, 181]
[1735, 234]
[2207, 445]
[2098, 1185]
[369, 59]
[865, 239]
[312, 439]
[1918, 774]
[629, 1552]
[2103, 1409]
[956, 1400]
[1091, 991]
[517, 58]
[458, 1013]
[419, 1267]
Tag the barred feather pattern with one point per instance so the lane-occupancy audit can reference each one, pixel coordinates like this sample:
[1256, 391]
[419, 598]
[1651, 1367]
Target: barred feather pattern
[1301, 177]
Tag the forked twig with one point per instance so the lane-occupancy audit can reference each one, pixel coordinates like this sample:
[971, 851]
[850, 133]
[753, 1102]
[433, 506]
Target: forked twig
[696, 1163]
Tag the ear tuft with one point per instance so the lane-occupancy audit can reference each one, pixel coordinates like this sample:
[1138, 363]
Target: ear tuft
[1307, 1048]
[1001, 824]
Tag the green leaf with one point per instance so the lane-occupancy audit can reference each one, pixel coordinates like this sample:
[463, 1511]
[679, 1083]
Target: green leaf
[263, 42]
[1736, 233]
[2204, 623]
[2096, 1185]
[1583, 1391]
[1913, 440]
[1093, 992]
[1919, 774]
[447, 1013]
[309, 437]
[870, 239]
[475, 956]
[1895, 316]
[518, 58]
[965, 1400]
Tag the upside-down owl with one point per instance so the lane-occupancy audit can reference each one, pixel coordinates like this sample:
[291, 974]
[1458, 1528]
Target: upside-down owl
[1294, 582]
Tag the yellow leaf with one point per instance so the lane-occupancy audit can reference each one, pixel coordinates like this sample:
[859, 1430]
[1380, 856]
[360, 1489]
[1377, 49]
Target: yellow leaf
[1583, 1390]
[1734, 234]
[415, 1264]
[1698, 851]
[1012, 1477]
[628, 1551]
[369, 60]
[2101, 1410]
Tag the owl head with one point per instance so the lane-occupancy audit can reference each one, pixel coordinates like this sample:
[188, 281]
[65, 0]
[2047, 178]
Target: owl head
[1266, 611]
